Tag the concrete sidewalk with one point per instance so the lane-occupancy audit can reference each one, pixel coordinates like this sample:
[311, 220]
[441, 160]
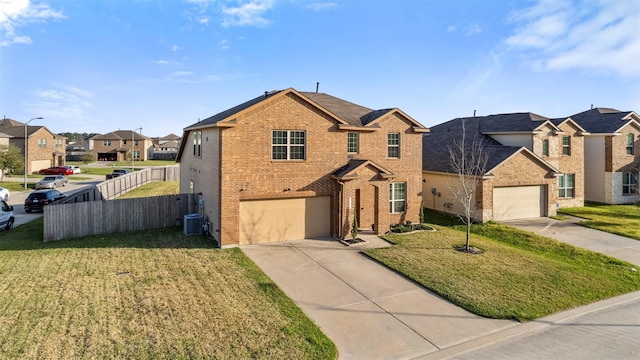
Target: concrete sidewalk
[369, 311]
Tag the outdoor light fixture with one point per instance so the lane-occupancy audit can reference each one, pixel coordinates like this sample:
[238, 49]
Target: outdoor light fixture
[26, 140]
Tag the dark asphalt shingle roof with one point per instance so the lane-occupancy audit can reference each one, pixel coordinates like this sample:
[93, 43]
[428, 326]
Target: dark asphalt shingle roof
[352, 114]
[515, 122]
[601, 120]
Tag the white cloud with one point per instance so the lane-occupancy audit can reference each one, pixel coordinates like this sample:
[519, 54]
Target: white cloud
[247, 14]
[63, 102]
[19, 13]
[319, 6]
[599, 36]
[468, 30]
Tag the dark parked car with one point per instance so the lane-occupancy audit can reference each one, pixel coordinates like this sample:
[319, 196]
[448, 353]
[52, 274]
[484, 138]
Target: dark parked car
[39, 198]
[56, 170]
[117, 172]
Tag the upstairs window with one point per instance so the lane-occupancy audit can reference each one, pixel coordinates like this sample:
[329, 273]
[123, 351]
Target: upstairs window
[197, 144]
[106, 142]
[353, 143]
[288, 145]
[58, 142]
[565, 185]
[393, 145]
[629, 183]
[630, 139]
[42, 143]
[397, 197]
[566, 145]
[545, 147]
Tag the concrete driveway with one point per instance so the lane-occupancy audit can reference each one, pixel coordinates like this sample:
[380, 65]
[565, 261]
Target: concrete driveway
[570, 232]
[367, 310]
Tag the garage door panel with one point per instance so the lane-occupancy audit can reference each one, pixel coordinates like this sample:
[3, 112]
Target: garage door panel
[284, 219]
[519, 202]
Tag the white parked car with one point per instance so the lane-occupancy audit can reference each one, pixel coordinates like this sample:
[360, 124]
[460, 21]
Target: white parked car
[74, 168]
[4, 194]
[51, 182]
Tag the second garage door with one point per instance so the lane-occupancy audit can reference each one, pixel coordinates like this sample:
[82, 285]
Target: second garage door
[518, 202]
[284, 219]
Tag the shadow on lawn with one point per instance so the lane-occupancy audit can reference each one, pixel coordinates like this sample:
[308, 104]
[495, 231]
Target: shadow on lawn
[29, 237]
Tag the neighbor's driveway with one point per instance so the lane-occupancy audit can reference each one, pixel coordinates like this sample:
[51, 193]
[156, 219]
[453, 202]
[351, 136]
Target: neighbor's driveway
[595, 240]
[369, 311]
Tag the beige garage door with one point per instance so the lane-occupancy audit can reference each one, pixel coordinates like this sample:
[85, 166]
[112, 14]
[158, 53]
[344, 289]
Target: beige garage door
[37, 165]
[284, 219]
[518, 202]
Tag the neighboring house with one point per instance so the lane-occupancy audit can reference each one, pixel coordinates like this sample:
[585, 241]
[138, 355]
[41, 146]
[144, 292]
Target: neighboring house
[117, 146]
[292, 165]
[612, 155]
[535, 165]
[44, 148]
[75, 151]
[165, 148]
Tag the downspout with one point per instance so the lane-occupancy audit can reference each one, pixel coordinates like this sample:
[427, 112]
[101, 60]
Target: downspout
[341, 209]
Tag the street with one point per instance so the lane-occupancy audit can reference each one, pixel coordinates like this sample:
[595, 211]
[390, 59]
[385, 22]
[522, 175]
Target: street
[17, 197]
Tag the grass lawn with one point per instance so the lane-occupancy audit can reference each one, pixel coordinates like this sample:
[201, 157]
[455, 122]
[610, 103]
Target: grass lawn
[616, 219]
[519, 275]
[154, 188]
[146, 295]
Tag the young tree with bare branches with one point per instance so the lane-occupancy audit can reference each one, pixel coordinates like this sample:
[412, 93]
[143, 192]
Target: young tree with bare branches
[469, 157]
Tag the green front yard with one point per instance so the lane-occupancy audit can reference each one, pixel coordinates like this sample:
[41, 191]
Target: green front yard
[146, 295]
[616, 219]
[518, 276]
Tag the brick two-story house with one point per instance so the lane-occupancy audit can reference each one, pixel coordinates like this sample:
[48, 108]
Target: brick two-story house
[292, 165]
[535, 165]
[118, 146]
[612, 155]
[44, 148]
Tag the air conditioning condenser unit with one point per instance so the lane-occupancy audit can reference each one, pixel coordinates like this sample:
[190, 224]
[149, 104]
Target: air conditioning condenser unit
[193, 224]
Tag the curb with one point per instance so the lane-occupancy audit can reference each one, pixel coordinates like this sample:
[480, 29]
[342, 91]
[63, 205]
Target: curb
[529, 328]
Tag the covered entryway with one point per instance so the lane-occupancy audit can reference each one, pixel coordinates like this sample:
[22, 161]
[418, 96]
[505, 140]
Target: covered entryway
[519, 202]
[276, 220]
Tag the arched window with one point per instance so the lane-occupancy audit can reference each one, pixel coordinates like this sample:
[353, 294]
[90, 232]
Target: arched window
[630, 139]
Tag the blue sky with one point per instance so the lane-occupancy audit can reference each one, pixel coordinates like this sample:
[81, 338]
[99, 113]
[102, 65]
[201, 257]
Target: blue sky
[104, 65]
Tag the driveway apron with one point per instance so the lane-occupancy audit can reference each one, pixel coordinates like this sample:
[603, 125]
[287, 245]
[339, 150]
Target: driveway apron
[570, 232]
[368, 311]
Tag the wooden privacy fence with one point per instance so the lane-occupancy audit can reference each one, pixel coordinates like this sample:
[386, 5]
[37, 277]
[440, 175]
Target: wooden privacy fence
[64, 221]
[112, 188]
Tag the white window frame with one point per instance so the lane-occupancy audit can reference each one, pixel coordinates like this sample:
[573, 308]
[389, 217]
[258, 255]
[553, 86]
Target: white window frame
[630, 141]
[629, 183]
[393, 145]
[106, 142]
[197, 144]
[353, 143]
[566, 146]
[563, 188]
[285, 143]
[397, 196]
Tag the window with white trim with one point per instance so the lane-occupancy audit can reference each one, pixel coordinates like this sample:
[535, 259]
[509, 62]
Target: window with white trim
[197, 143]
[42, 143]
[288, 145]
[106, 142]
[566, 145]
[353, 143]
[393, 145]
[629, 183]
[397, 197]
[630, 140]
[566, 185]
